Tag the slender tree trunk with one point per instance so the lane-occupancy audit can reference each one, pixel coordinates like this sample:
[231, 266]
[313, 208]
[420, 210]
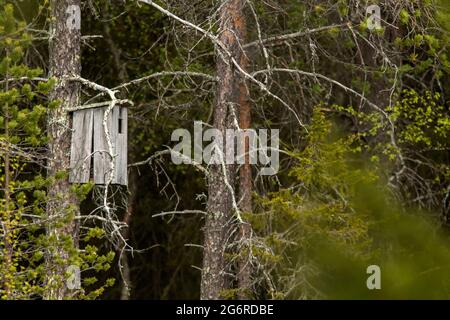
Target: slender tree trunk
[245, 195]
[219, 207]
[245, 180]
[124, 260]
[62, 203]
[126, 272]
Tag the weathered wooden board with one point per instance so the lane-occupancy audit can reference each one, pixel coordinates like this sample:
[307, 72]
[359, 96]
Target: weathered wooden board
[89, 137]
[121, 144]
[80, 160]
[102, 157]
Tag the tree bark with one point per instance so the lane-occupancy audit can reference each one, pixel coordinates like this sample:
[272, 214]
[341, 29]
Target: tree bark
[219, 207]
[245, 201]
[62, 203]
[124, 260]
[245, 180]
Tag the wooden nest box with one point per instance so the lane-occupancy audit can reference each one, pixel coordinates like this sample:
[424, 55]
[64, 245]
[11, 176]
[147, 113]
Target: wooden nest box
[90, 158]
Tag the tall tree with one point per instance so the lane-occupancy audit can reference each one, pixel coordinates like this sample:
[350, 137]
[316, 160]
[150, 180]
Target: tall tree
[245, 176]
[222, 176]
[62, 205]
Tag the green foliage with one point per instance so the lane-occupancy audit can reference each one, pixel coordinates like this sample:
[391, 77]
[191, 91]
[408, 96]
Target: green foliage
[23, 240]
[423, 119]
[22, 115]
[337, 219]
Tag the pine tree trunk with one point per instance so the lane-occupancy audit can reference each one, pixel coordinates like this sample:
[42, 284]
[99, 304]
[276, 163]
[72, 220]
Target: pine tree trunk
[62, 202]
[245, 180]
[245, 190]
[219, 207]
